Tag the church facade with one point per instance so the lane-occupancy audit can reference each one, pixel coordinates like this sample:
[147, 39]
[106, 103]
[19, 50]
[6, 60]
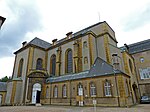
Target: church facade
[82, 69]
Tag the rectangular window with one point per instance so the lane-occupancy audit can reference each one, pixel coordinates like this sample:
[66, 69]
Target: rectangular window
[92, 89]
[144, 73]
[107, 88]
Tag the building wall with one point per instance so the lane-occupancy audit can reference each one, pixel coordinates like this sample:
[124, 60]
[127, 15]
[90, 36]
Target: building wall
[18, 93]
[125, 99]
[38, 53]
[143, 67]
[101, 42]
[9, 93]
[21, 55]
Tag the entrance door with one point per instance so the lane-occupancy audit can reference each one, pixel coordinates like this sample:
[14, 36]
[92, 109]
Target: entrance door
[36, 93]
[135, 89]
[38, 96]
[0, 100]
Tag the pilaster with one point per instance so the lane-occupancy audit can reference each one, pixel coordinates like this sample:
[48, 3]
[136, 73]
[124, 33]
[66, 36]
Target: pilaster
[91, 49]
[58, 61]
[121, 87]
[107, 50]
[13, 92]
[125, 63]
[76, 56]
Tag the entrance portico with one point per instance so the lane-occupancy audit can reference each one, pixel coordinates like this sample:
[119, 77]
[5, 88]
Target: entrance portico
[36, 82]
[36, 93]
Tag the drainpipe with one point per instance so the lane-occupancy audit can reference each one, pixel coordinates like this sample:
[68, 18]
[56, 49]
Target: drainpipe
[50, 93]
[70, 93]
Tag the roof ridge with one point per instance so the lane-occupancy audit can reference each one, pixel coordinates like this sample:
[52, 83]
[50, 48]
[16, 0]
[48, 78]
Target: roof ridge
[141, 42]
[89, 27]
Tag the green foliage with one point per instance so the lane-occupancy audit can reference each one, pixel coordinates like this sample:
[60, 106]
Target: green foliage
[4, 79]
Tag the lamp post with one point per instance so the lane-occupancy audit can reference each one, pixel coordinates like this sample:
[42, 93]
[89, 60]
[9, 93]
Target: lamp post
[2, 19]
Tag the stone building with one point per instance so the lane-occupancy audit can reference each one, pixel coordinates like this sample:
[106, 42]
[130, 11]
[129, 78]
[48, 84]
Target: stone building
[3, 90]
[83, 68]
[141, 54]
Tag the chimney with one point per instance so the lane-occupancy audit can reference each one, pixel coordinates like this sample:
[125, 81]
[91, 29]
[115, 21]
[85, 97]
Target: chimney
[54, 41]
[24, 43]
[126, 47]
[69, 35]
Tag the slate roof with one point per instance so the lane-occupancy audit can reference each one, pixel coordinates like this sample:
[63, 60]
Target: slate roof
[43, 44]
[39, 42]
[3, 86]
[99, 68]
[87, 29]
[83, 31]
[139, 46]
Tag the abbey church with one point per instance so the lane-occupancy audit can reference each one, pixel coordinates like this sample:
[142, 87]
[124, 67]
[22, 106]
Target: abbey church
[82, 69]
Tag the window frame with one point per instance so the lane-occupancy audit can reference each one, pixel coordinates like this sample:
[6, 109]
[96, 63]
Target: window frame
[53, 64]
[55, 91]
[20, 68]
[39, 64]
[93, 89]
[64, 91]
[107, 88]
[69, 61]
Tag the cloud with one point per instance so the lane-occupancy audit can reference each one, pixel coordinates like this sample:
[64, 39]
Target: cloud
[23, 17]
[138, 19]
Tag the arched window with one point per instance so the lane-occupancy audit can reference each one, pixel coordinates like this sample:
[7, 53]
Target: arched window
[53, 64]
[64, 91]
[85, 44]
[107, 88]
[39, 64]
[92, 89]
[55, 92]
[85, 60]
[69, 62]
[20, 68]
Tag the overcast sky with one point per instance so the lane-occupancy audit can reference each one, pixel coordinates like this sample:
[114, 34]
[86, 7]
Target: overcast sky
[50, 19]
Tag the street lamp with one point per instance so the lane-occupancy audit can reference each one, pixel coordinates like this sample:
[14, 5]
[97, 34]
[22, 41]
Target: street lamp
[2, 19]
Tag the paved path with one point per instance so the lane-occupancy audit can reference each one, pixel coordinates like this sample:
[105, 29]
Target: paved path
[137, 108]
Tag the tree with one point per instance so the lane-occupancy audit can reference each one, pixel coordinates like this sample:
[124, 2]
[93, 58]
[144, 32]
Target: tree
[4, 79]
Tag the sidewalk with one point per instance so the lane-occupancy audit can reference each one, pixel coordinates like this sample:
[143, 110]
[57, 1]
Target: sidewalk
[137, 108]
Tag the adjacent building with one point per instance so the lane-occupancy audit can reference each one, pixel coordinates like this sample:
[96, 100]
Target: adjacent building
[3, 91]
[141, 54]
[83, 68]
